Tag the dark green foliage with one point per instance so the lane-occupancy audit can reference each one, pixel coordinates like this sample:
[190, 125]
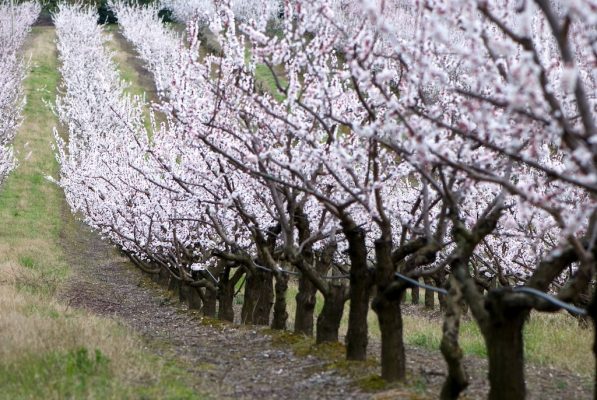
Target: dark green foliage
[105, 14]
[166, 15]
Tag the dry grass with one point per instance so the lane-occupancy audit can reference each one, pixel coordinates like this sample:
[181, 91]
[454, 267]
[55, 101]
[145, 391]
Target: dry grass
[37, 329]
[33, 324]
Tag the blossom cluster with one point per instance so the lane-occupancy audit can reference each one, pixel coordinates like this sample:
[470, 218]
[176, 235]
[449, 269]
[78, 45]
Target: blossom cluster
[245, 10]
[475, 118]
[104, 162]
[15, 23]
[157, 45]
[162, 202]
[370, 132]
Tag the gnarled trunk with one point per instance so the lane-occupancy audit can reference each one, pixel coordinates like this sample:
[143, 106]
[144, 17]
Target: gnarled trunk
[429, 295]
[174, 286]
[328, 321]
[505, 349]
[439, 281]
[259, 298]
[389, 314]
[226, 296]
[414, 295]
[280, 313]
[209, 303]
[592, 313]
[163, 278]
[194, 298]
[360, 293]
[183, 292]
[506, 361]
[305, 306]
[308, 295]
[457, 380]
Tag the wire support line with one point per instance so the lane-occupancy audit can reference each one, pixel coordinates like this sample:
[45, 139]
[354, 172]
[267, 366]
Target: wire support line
[553, 300]
[520, 289]
[419, 284]
[294, 273]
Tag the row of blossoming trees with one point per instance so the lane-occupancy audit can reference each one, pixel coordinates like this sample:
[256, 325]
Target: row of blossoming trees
[449, 141]
[15, 22]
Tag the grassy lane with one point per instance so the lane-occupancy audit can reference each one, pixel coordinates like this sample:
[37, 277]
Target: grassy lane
[29, 205]
[47, 350]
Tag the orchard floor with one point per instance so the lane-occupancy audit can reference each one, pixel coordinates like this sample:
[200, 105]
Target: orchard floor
[223, 360]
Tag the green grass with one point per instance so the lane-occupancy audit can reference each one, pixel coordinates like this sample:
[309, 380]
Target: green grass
[121, 58]
[30, 206]
[554, 340]
[47, 349]
[267, 81]
[74, 374]
[83, 374]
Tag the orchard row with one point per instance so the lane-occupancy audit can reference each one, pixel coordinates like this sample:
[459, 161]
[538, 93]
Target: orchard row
[14, 26]
[452, 142]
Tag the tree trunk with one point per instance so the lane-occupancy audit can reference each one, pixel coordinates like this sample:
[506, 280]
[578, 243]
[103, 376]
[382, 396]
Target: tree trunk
[305, 307]
[440, 282]
[183, 293]
[592, 313]
[328, 321]
[226, 296]
[505, 350]
[414, 295]
[429, 295]
[464, 308]
[306, 296]
[174, 286]
[457, 380]
[259, 298]
[209, 303]
[280, 313]
[194, 298]
[265, 300]
[163, 278]
[360, 293]
[389, 314]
